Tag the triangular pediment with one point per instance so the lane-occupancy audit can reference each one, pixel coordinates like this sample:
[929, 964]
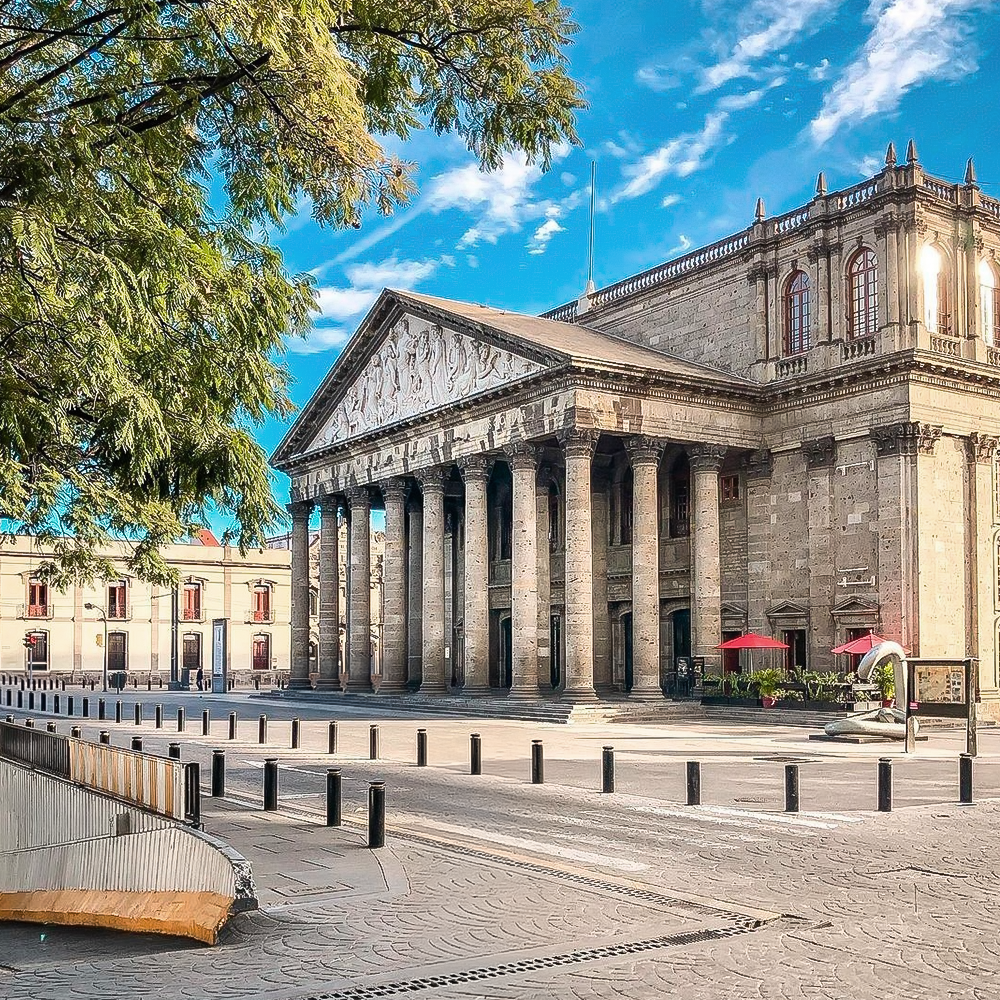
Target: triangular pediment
[787, 609]
[855, 606]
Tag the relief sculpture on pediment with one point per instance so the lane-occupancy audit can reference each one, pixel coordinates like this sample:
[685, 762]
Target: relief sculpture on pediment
[419, 367]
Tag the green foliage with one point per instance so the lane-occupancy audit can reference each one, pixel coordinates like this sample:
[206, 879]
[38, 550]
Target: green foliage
[141, 332]
[821, 687]
[792, 695]
[768, 681]
[884, 678]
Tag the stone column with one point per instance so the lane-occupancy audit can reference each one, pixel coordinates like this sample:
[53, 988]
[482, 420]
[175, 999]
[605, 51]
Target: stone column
[476, 614]
[415, 588]
[706, 569]
[524, 573]
[329, 594]
[432, 603]
[980, 562]
[644, 454]
[359, 667]
[299, 675]
[394, 650]
[579, 588]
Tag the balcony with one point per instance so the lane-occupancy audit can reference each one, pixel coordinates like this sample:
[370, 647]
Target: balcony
[260, 615]
[34, 611]
[119, 612]
[192, 615]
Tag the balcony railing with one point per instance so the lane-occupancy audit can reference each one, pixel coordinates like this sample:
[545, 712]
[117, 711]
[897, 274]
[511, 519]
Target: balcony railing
[34, 610]
[120, 611]
[260, 615]
[191, 614]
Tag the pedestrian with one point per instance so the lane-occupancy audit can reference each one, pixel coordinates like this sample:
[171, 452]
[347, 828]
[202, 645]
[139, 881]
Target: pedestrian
[200, 678]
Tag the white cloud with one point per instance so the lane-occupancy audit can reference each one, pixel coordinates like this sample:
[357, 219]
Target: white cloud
[740, 102]
[679, 157]
[869, 165]
[567, 178]
[683, 245]
[820, 71]
[342, 303]
[658, 78]
[912, 41]
[320, 338]
[669, 200]
[391, 273]
[540, 238]
[766, 26]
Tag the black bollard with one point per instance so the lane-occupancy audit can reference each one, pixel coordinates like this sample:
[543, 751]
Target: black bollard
[206, 723]
[271, 784]
[158, 717]
[334, 797]
[137, 743]
[174, 751]
[373, 742]
[50, 727]
[885, 784]
[232, 725]
[421, 748]
[376, 814]
[101, 710]
[218, 773]
[295, 733]
[262, 729]
[138, 713]
[332, 742]
[537, 763]
[181, 720]
[105, 737]
[791, 788]
[76, 732]
[965, 779]
[608, 769]
[475, 754]
[694, 783]
[29, 723]
[118, 711]
[192, 792]
[85, 710]
[149, 682]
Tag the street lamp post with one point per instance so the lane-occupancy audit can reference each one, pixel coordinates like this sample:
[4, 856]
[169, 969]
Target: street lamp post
[104, 618]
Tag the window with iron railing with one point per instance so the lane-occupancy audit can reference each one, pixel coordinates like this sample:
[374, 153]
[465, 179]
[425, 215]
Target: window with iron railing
[117, 606]
[192, 601]
[261, 610]
[38, 599]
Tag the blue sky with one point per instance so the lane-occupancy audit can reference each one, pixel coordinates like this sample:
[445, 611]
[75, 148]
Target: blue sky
[696, 108]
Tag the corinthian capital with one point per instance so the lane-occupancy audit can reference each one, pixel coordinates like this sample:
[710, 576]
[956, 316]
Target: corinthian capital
[643, 449]
[580, 442]
[706, 457]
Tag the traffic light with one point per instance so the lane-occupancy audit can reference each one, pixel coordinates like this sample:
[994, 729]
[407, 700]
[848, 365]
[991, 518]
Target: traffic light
[29, 641]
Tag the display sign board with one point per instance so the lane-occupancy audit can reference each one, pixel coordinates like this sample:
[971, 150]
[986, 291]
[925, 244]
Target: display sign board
[219, 655]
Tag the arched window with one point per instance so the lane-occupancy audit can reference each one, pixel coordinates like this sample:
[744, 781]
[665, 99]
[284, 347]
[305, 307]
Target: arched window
[937, 298]
[989, 295]
[862, 297]
[313, 602]
[260, 651]
[797, 313]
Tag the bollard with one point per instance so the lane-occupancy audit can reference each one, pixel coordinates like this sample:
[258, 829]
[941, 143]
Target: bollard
[373, 742]
[608, 769]
[76, 732]
[376, 814]
[118, 711]
[334, 797]
[138, 713]
[332, 742]
[421, 748]
[174, 751]
[791, 788]
[271, 784]
[137, 743]
[232, 725]
[181, 720]
[537, 764]
[50, 727]
[69, 705]
[295, 733]
[105, 737]
[694, 783]
[206, 722]
[192, 793]
[101, 710]
[218, 773]
[965, 779]
[262, 729]
[885, 784]
[158, 717]
[149, 683]
[85, 710]
[475, 754]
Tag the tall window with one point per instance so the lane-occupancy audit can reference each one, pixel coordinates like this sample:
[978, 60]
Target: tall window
[261, 652]
[262, 602]
[117, 651]
[862, 280]
[37, 652]
[116, 599]
[937, 298]
[620, 510]
[38, 598]
[555, 519]
[989, 295]
[797, 313]
[192, 601]
[680, 498]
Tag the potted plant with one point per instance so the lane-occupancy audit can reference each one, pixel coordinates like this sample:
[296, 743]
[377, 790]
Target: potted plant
[884, 678]
[768, 682]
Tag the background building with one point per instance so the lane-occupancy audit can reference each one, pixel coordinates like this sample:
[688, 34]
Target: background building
[251, 592]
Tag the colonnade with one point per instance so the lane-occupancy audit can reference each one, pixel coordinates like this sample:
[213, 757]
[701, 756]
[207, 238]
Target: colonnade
[414, 613]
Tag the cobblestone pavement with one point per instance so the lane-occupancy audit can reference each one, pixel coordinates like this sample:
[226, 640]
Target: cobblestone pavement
[491, 887]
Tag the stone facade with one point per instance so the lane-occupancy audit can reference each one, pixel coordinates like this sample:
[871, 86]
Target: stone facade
[792, 431]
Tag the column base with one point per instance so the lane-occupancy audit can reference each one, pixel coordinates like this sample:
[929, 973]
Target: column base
[299, 684]
[432, 689]
[359, 687]
[646, 694]
[588, 695]
[397, 687]
[524, 694]
[477, 691]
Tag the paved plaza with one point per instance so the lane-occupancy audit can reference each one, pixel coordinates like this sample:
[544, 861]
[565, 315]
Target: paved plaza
[490, 886]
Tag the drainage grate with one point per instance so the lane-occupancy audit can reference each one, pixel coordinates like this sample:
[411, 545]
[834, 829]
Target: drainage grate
[535, 964]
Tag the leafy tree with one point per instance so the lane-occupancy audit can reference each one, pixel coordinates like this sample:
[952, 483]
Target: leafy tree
[138, 327]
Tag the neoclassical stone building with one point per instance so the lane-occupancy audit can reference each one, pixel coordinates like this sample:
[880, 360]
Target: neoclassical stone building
[793, 430]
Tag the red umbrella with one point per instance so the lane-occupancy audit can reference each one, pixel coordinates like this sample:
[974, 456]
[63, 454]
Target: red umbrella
[752, 641]
[858, 647]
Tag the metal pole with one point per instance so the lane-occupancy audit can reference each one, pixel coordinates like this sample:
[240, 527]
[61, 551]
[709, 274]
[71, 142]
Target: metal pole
[694, 783]
[475, 754]
[118, 711]
[373, 742]
[537, 763]
[232, 725]
[332, 742]
[218, 773]
[885, 784]
[138, 713]
[174, 751]
[608, 769]
[158, 716]
[192, 792]
[965, 779]
[791, 788]
[971, 732]
[271, 784]
[911, 693]
[376, 814]
[262, 730]
[175, 675]
[181, 720]
[104, 669]
[334, 797]
[421, 748]
[206, 722]
[296, 726]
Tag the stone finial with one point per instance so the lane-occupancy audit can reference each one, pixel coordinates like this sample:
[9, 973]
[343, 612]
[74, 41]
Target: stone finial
[821, 184]
[911, 152]
[758, 212]
[890, 155]
[970, 173]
